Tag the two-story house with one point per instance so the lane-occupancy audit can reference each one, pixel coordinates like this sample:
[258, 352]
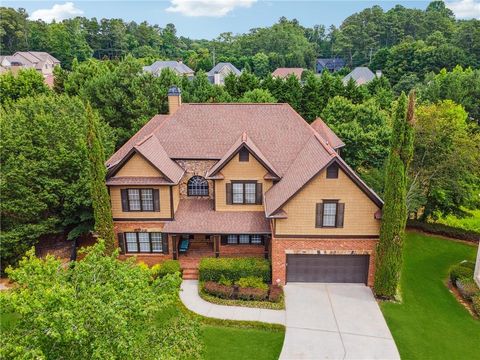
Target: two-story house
[244, 180]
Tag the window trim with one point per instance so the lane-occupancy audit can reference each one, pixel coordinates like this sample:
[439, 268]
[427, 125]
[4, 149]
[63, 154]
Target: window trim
[140, 190]
[243, 182]
[336, 213]
[206, 181]
[226, 243]
[138, 242]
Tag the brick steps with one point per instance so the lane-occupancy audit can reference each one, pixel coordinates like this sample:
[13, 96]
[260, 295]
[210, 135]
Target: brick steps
[190, 274]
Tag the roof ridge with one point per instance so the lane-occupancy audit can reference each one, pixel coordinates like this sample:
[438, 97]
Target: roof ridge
[144, 140]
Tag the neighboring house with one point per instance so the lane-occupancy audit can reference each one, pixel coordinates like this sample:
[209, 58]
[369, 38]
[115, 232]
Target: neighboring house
[284, 72]
[244, 180]
[220, 71]
[361, 75]
[332, 64]
[38, 60]
[476, 275]
[177, 66]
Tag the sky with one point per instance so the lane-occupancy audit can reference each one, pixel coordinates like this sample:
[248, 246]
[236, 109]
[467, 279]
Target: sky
[206, 19]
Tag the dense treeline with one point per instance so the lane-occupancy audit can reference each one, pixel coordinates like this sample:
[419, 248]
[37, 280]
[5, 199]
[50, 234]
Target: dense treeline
[405, 43]
[45, 167]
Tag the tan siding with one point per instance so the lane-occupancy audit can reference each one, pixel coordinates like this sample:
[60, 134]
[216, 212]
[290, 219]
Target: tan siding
[240, 170]
[359, 209]
[117, 212]
[138, 166]
[176, 197]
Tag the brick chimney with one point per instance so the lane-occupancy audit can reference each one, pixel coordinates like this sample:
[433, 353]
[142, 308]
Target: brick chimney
[174, 99]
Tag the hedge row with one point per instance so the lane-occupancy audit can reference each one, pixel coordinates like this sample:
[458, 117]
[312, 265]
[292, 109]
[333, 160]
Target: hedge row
[166, 267]
[444, 230]
[212, 269]
[272, 293]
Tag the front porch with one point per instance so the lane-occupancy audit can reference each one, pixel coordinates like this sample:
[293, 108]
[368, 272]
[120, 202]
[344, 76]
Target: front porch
[189, 249]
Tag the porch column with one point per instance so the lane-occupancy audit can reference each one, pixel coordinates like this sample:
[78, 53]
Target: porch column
[174, 246]
[267, 244]
[216, 245]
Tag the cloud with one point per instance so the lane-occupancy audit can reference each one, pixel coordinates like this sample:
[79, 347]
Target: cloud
[57, 12]
[211, 8]
[465, 9]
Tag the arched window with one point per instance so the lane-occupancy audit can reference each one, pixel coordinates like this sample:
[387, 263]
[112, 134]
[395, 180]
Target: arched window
[197, 186]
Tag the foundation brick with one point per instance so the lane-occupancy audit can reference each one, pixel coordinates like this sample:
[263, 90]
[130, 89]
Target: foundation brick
[282, 247]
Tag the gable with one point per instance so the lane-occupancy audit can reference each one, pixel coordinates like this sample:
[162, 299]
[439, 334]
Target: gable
[300, 209]
[137, 165]
[244, 170]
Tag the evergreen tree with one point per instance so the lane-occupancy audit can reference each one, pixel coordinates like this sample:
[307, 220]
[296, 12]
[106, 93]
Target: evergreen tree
[392, 230]
[100, 199]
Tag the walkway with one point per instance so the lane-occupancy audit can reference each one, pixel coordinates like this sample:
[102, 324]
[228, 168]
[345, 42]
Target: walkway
[193, 301]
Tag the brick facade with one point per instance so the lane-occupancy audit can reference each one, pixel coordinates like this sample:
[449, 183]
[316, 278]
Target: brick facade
[282, 247]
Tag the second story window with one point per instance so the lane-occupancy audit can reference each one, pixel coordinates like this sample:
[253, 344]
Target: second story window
[140, 200]
[246, 192]
[197, 186]
[330, 213]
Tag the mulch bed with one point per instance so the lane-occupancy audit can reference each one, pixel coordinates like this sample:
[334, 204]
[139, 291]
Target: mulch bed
[466, 304]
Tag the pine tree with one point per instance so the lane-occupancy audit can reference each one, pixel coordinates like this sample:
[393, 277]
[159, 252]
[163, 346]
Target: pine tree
[392, 230]
[100, 199]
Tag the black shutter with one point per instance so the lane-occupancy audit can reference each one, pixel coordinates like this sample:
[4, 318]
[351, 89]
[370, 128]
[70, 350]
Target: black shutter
[319, 215]
[156, 200]
[121, 243]
[228, 190]
[124, 193]
[259, 194]
[340, 214]
[224, 239]
[165, 243]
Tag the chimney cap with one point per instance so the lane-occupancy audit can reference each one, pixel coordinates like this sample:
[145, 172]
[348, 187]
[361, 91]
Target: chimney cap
[174, 91]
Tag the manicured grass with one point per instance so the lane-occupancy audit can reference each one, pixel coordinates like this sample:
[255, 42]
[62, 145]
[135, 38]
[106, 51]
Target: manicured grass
[430, 323]
[236, 344]
[471, 223]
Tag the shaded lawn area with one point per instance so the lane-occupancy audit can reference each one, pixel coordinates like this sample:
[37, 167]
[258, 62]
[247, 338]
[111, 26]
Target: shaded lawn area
[430, 323]
[235, 343]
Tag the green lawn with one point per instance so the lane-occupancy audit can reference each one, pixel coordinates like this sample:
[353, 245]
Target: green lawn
[235, 344]
[430, 323]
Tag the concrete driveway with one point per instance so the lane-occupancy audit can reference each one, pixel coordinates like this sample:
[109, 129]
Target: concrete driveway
[335, 321]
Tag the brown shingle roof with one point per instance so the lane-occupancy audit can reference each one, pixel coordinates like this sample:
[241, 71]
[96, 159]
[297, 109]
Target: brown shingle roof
[130, 180]
[312, 159]
[146, 130]
[154, 152]
[327, 134]
[284, 72]
[198, 216]
[207, 131]
[246, 141]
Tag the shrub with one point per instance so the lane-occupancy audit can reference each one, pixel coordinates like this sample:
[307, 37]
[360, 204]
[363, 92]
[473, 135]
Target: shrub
[212, 269]
[219, 290]
[252, 282]
[276, 293]
[224, 281]
[444, 230]
[166, 267]
[467, 287]
[476, 304]
[252, 294]
[462, 270]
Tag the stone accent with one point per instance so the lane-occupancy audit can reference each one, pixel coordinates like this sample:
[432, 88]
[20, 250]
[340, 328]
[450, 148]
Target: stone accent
[282, 247]
[195, 167]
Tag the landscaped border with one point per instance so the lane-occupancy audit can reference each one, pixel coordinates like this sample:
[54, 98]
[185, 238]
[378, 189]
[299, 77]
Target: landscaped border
[244, 303]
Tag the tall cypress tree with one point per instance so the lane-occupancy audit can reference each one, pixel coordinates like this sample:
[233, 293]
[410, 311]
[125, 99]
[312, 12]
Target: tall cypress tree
[100, 199]
[392, 230]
